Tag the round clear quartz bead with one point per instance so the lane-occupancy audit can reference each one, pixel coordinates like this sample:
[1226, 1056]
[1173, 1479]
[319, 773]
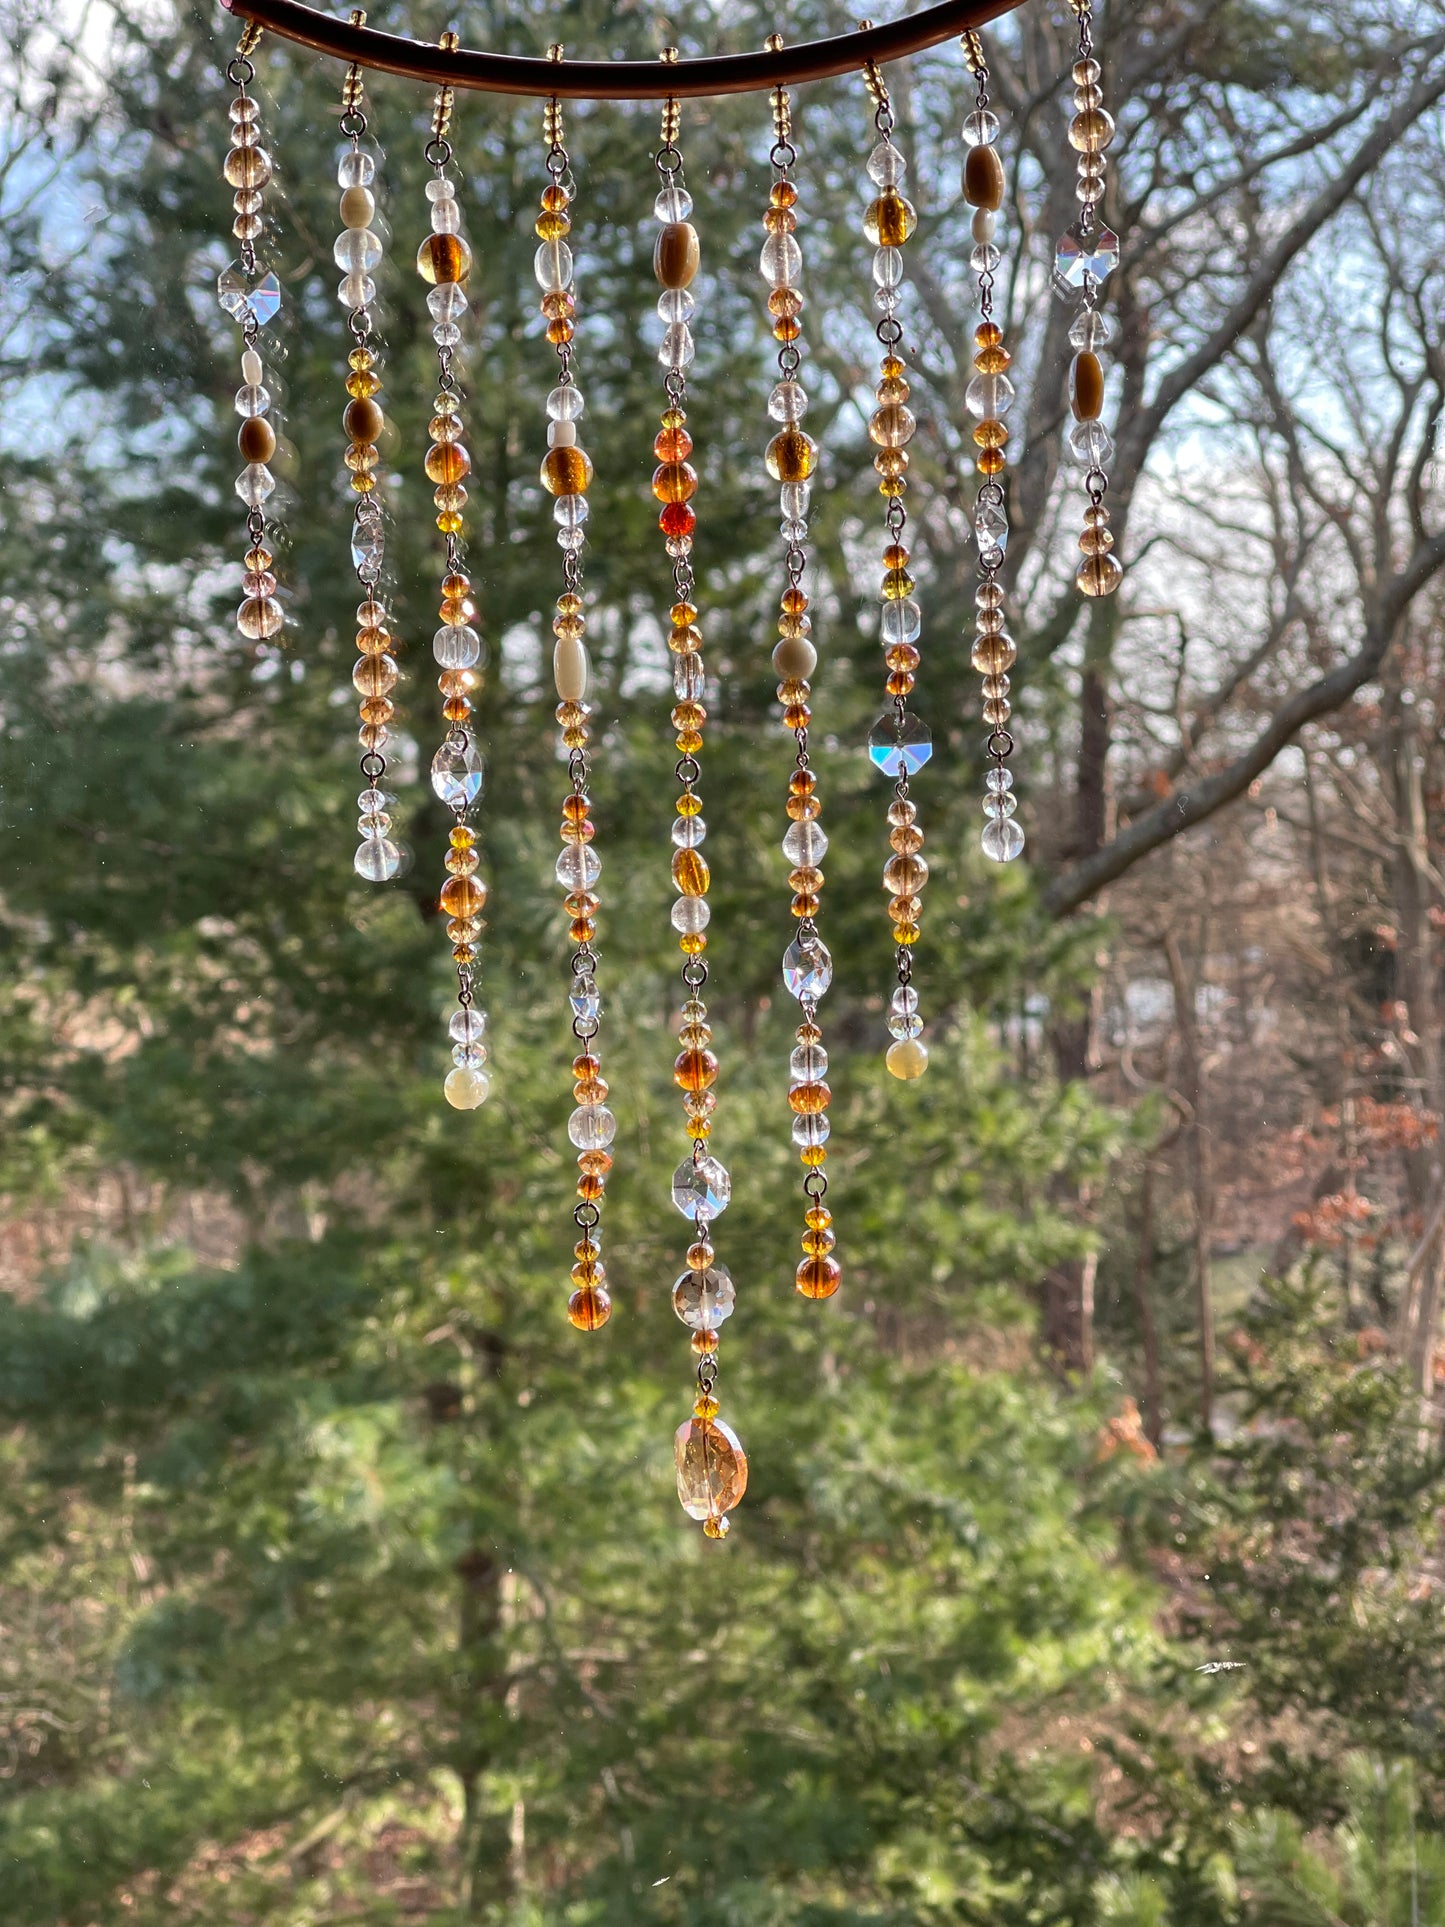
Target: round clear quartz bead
[886, 165]
[355, 291]
[795, 533]
[888, 267]
[688, 832]
[811, 1131]
[446, 334]
[252, 400]
[355, 168]
[565, 404]
[676, 304]
[457, 646]
[467, 1026]
[808, 1064]
[678, 347]
[357, 250]
[788, 402]
[691, 915]
[446, 217]
[985, 258]
[446, 302]
[1090, 444]
[1003, 841]
[372, 800]
[989, 397]
[997, 807]
[885, 300]
[781, 261]
[673, 203]
[578, 867]
[373, 823]
[570, 511]
[377, 860]
[592, 1127]
[806, 844]
[980, 128]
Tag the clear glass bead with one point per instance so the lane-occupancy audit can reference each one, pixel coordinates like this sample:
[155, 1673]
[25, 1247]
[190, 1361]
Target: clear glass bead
[901, 1026]
[372, 823]
[781, 261]
[1086, 254]
[457, 773]
[467, 1026]
[566, 404]
[989, 397]
[794, 533]
[886, 165]
[357, 250]
[688, 678]
[690, 915]
[703, 1299]
[578, 867]
[469, 1057]
[456, 645]
[990, 528]
[999, 780]
[678, 347]
[446, 334]
[676, 304]
[356, 168]
[701, 1189]
[1089, 330]
[592, 1127]
[807, 966]
[688, 832]
[446, 217]
[371, 800]
[441, 187]
[998, 807]
[446, 302]
[985, 257]
[808, 1064]
[570, 511]
[793, 500]
[1091, 445]
[255, 484]
[377, 860]
[1003, 841]
[805, 845]
[355, 291]
[888, 267]
[585, 1002]
[900, 622]
[672, 204]
[899, 748]
[252, 400]
[885, 300]
[980, 128]
[788, 401]
[571, 540]
[809, 1132]
[552, 265]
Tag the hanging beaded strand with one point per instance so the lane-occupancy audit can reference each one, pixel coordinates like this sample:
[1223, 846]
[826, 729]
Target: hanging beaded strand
[791, 458]
[357, 253]
[1086, 256]
[444, 261]
[712, 1469]
[566, 473]
[988, 398]
[899, 743]
[252, 299]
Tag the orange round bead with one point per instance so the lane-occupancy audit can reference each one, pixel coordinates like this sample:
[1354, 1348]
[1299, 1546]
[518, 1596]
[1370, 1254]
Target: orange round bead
[818, 1277]
[589, 1308]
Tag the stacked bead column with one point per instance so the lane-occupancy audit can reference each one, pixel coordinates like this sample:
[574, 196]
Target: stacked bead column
[566, 473]
[791, 459]
[357, 253]
[252, 299]
[444, 261]
[712, 1469]
[988, 398]
[899, 743]
[1086, 256]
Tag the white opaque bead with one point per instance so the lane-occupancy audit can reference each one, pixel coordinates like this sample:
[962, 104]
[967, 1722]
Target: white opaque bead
[561, 434]
[569, 668]
[441, 187]
[985, 224]
[358, 204]
[252, 370]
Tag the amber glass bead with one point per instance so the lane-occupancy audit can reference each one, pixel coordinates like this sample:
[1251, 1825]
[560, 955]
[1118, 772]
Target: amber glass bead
[797, 716]
[589, 1090]
[464, 953]
[791, 456]
[705, 1406]
[992, 655]
[700, 1255]
[442, 258]
[907, 841]
[780, 220]
[693, 944]
[551, 226]
[456, 709]
[892, 425]
[897, 585]
[260, 557]
[807, 877]
[590, 1187]
[813, 1155]
[895, 556]
[674, 482]
[363, 484]
[783, 194]
[582, 929]
[450, 522]
[987, 334]
[785, 301]
[688, 715]
[672, 445]
[1099, 575]
[817, 1244]
[809, 1099]
[890, 220]
[818, 1277]
[461, 863]
[360, 358]
[464, 896]
[906, 933]
[363, 385]
[793, 602]
[458, 682]
[990, 434]
[447, 462]
[256, 439]
[688, 741]
[806, 903]
[802, 782]
[676, 254]
[804, 809]
[677, 519]
[690, 873]
[891, 462]
[900, 682]
[991, 461]
[817, 1217]
[461, 837]
[704, 1342]
[560, 331]
[992, 361]
[901, 655]
[361, 457]
[689, 804]
[555, 198]
[374, 675]
[694, 1070]
[566, 471]
[589, 1308]
[377, 709]
[905, 876]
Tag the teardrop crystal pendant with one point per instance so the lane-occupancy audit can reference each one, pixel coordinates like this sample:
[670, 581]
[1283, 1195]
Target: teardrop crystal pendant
[712, 1469]
[456, 773]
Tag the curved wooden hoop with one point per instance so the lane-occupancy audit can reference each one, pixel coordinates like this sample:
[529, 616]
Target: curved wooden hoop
[617, 79]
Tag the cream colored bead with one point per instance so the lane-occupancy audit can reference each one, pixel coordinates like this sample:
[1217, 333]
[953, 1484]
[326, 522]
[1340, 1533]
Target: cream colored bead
[985, 224]
[907, 1058]
[561, 434]
[569, 668]
[252, 369]
[795, 659]
[464, 1090]
[358, 204]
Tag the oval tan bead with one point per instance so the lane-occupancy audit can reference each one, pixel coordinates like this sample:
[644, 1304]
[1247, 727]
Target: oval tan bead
[983, 179]
[363, 420]
[257, 439]
[569, 669]
[358, 204]
[676, 257]
[1086, 387]
[795, 659]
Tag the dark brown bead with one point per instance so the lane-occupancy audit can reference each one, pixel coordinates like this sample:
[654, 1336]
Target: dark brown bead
[676, 256]
[983, 179]
[363, 420]
[1086, 387]
[257, 439]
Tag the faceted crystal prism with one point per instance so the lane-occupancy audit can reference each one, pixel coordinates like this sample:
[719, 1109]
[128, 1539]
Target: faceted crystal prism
[712, 1469]
[701, 1190]
[899, 748]
[807, 967]
[990, 526]
[585, 1002]
[703, 1299]
[368, 540]
[241, 297]
[1080, 253]
[456, 773]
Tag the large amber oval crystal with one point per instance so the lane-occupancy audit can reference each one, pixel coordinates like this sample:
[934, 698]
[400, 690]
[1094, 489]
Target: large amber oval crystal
[712, 1470]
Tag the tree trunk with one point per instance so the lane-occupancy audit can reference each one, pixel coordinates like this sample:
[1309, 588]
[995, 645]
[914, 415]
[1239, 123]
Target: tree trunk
[1144, 1300]
[1196, 1142]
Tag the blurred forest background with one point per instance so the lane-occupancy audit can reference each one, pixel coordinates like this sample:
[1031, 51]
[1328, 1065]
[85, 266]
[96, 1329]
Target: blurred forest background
[1090, 1570]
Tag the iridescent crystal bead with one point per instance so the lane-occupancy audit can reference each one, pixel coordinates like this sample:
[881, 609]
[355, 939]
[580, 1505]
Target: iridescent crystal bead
[807, 966]
[1003, 840]
[999, 781]
[899, 748]
[457, 771]
[377, 860]
[701, 1189]
[578, 867]
[469, 1057]
[592, 1127]
[712, 1468]
[805, 845]
[703, 1299]
[1080, 253]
